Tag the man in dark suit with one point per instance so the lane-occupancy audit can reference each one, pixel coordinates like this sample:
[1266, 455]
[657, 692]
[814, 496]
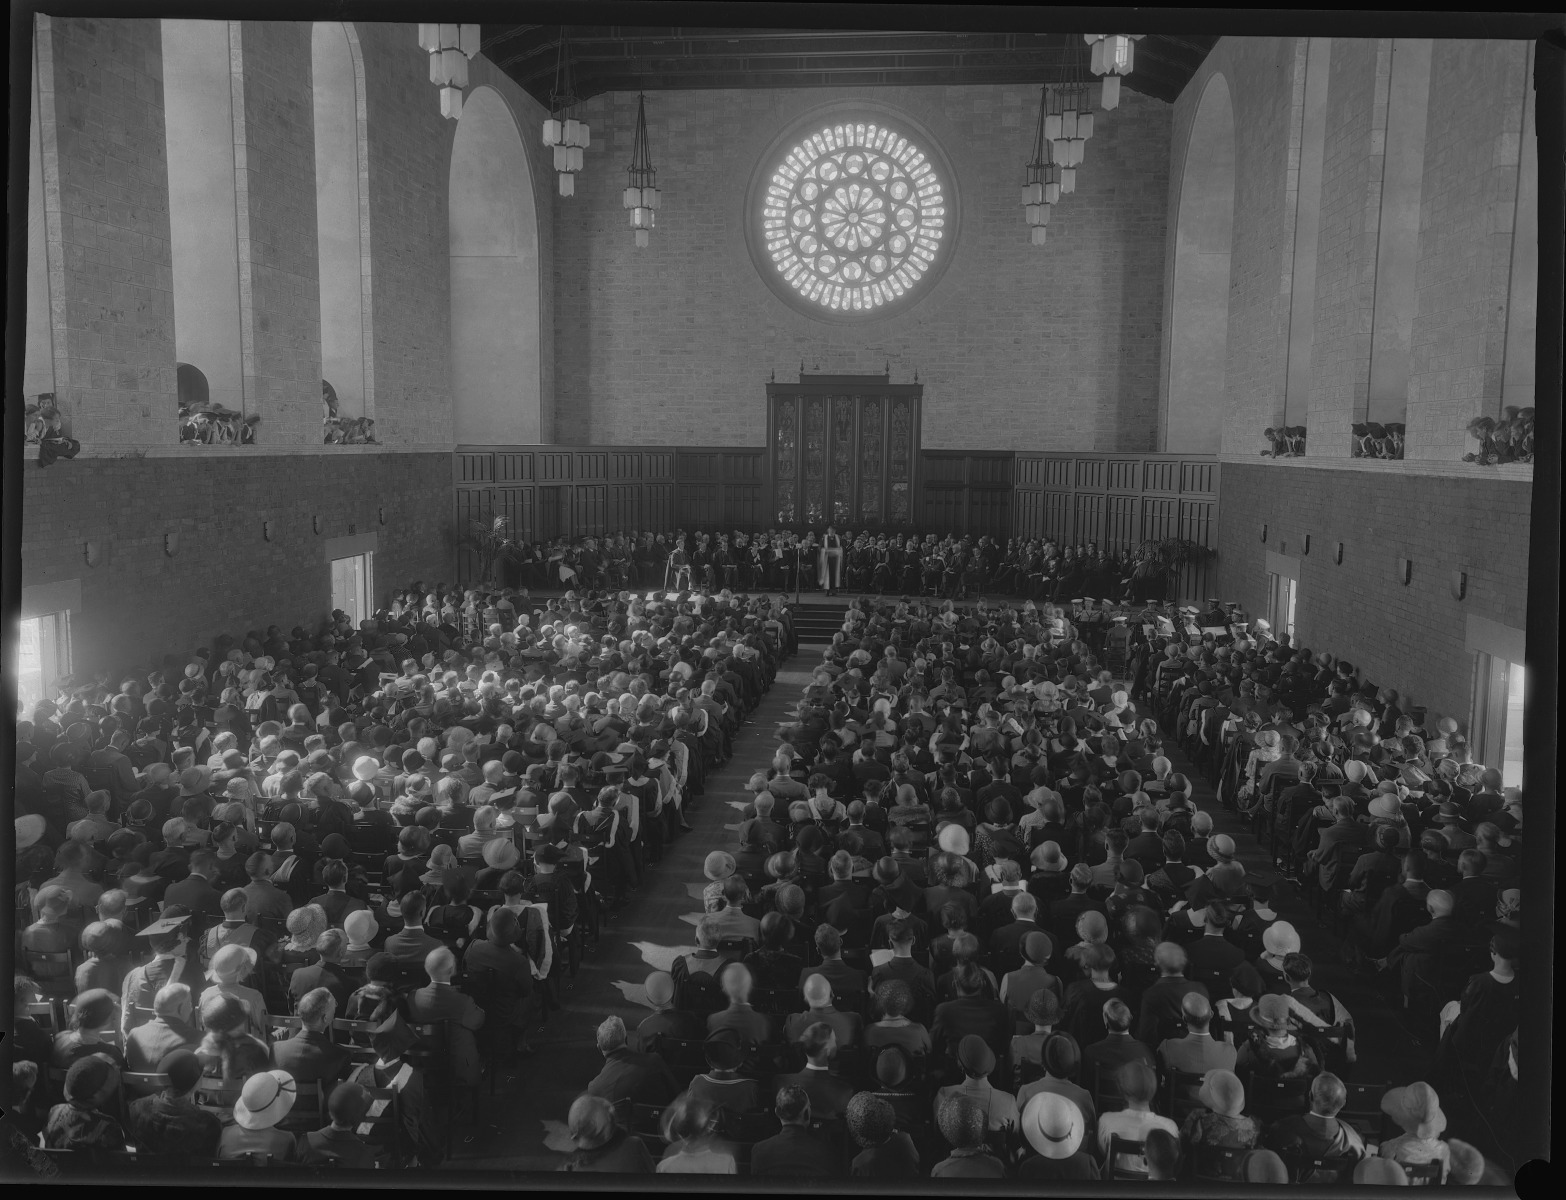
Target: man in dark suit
[1162, 1014]
[440, 1001]
[1118, 1047]
[1006, 942]
[1212, 953]
[794, 1151]
[1198, 1051]
[1417, 950]
[628, 1074]
[1063, 914]
[845, 980]
[195, 892]
[263, 898]
[969, 1013]
[827, 1093]
[666, 1020]
[411, 944]
[311, 1056]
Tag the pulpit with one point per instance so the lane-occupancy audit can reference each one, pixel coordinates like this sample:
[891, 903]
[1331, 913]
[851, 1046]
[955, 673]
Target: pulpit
[843, 450]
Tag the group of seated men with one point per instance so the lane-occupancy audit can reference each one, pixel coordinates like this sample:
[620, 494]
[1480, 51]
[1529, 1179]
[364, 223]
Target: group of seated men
[289, 897]
[973, 899]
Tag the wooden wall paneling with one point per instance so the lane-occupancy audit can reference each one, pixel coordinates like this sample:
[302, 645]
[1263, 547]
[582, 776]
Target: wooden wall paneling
[1090, 474]
[1060, 516]
[588, 512]
[1199, 523]
[1123, 474]
[472, 507]
[591, 465]
[516, 505]
[658, 508]
[1160, 518]
[554, 467]
[1090, 519]
[1199, 477]
[1060, 472]
[698, 505]
[1030, 471]
[475, 467]
[1122, 521]
[1160, 475]
[513, 467]
[624, 506]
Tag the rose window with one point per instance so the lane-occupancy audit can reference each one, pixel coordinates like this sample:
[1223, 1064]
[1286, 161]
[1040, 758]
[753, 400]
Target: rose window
[854, 217]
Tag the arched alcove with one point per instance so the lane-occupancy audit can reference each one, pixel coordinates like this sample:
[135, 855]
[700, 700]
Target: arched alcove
[342, 225]
[203, 222]
[495, 387]
[1199, 307]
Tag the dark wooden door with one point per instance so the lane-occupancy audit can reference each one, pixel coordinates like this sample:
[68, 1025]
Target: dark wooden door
[842, 450]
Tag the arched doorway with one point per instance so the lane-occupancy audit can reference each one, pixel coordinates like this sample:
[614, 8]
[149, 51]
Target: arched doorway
[1199, 306]
[496, 392]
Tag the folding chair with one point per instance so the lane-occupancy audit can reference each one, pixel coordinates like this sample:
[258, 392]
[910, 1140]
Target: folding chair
[53, 971]
[1362, 1109]
[1180, 1091]
[136, 1084]
[685, 1058]
[309, 1110]
[284, 1027]
[1423, 1174]
[1270, 1099]
[355, 1036]
[1121, 1149]
[1216, 1164]
[1305, 1168]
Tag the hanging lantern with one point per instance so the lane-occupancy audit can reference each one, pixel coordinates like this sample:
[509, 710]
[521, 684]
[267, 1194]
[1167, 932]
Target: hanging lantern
[1042, 188]
[1113, 56]
[563, 133]
[449, 47]
[641, 197]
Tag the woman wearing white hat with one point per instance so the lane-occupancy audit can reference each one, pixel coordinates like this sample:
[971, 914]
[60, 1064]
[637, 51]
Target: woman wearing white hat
[230, 967]
[1053, 1126]
[267, 1097]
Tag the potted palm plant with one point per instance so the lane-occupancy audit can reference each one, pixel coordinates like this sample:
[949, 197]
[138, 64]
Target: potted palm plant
[1159, 564]
[490, 540]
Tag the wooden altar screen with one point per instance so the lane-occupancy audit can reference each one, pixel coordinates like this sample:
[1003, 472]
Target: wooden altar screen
[843, 450]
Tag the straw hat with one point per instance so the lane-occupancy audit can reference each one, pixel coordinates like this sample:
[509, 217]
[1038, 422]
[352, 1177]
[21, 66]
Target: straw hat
[1222, 1092]
[231, 964]
[501, 854]
[1053, 1125]
[266, 1099]
[1281, 938]
[719, 865]
[1416, 1108]
[1271, 1012]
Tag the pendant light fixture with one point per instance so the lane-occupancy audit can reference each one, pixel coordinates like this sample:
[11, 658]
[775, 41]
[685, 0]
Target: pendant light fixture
[641, 197]
[1042, 189]
[1113, 56]
[563, 133]
[449, 47]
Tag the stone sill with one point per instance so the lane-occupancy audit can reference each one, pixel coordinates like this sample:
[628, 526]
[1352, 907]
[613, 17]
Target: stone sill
[133, 450]
[1512, 472]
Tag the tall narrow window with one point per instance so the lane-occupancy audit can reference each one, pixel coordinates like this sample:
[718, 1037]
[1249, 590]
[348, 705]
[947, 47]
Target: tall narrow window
[203, 223]
[1397, 239]
[38, 364]
[1522, 310]
[1280, 603]
[341, 216]
[1199, 304]
[493, 226]
[1307, 230]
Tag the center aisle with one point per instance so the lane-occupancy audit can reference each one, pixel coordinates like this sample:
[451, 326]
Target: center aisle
[521, 1127]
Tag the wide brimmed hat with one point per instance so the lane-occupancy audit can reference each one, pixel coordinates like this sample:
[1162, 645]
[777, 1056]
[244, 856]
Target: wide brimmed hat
[30, 830]
[1223, 1092]
[234, 961]
[1416, 1108]
[719, 865]
[501, 854]
[1385, 806]
[1053, 1125]
[267, 1097]
[1281, 938]
[1271, 1012]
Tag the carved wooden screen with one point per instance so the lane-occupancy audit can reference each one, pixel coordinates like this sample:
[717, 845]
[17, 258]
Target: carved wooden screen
[843, 450]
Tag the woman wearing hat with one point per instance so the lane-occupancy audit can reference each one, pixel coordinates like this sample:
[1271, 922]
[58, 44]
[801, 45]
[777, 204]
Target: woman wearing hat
[1220, 1121]
[1054, 1128]
[1417, 1111]
[80, 1124]
[600, 1143]
[92, 1017]
[1279, 940]
[267, 1097]
[230, 967]
[229, 1050]
[1273, 1052]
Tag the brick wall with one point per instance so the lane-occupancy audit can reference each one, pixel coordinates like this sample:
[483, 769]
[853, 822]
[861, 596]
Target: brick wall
[225, 576]
[1056, 347]
[1412, 637]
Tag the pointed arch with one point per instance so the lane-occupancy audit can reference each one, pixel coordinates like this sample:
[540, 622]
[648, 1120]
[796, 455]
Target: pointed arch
[493, 227]
[1204, 236]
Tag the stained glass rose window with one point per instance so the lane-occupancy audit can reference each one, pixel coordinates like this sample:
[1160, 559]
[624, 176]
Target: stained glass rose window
[855, 217]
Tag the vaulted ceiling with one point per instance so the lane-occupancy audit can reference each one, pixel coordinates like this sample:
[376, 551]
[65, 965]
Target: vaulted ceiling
[609, 58]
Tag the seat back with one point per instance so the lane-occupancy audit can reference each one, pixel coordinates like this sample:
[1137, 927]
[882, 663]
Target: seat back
[54, 971]
[1126, 1159]
[1270, 1099]
[1362, 1109]
[1423, 1174]
[685, 1058]
[136, 1084]
[309, 1110]
[1306, 1168]
[1180, 1091]
[1216, 1164]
